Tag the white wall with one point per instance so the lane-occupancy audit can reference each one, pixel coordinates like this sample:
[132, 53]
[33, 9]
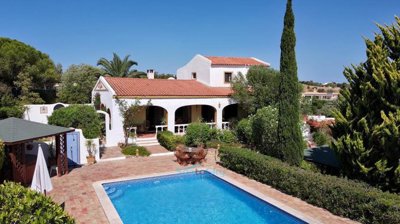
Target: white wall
[211, 75]
[106, 95]
[200, 65]
[40, 112]
[83, 149]
[218, 74]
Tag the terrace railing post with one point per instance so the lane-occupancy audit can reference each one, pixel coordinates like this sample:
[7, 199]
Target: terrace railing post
[64, 153]
[61, 154]
[219, 118]
[171, 120]
[58, 155]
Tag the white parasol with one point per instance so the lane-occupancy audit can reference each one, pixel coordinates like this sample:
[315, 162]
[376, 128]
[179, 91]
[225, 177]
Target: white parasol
[41, 179]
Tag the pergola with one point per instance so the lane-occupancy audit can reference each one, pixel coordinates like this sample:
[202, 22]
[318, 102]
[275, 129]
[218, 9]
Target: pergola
[15, 133]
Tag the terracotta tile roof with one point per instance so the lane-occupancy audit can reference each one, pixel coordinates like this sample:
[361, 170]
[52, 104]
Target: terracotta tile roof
[164, 88]
[234, 61]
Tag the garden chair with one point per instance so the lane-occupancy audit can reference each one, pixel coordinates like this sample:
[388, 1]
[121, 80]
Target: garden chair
[181, 157]
[200, 156]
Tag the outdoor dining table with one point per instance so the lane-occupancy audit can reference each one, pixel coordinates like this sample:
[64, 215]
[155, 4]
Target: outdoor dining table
[191, 152]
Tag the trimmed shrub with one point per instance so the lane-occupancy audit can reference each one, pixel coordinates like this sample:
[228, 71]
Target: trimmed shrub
[131, 150]
[264, 126]
[306, 165]
[197, 134]
[244, 131]
[351, 199]
[22, 205]
[227, 136]
[78, 116]
[169, 141]
[214, 144]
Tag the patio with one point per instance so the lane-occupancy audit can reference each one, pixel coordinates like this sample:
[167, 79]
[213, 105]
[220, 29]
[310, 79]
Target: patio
[77, 192]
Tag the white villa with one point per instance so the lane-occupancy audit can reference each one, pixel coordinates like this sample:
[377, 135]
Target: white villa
[200, 92]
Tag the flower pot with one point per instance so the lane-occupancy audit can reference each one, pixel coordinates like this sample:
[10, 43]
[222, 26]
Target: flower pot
[91, 160]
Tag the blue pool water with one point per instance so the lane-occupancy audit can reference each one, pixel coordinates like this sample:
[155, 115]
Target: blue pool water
[190, 198]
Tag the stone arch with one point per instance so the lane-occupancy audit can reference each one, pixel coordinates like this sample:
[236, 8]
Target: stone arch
[230, 112]
[192, 113]
[58, 106]
[106, 125]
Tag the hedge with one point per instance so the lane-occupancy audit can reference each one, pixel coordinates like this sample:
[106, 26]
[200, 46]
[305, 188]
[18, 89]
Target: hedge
[343, 197]
[78, 116]
[131, 150]
[22, 205]
[169, 141]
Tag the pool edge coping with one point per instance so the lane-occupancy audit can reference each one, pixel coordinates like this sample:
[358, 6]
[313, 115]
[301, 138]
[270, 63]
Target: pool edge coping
[113, 216]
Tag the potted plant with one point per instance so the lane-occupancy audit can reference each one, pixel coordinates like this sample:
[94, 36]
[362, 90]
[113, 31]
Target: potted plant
[91, 148]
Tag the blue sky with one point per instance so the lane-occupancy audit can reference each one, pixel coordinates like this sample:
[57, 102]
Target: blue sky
[164, 35]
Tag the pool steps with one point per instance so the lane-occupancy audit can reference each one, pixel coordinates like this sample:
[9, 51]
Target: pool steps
[113, 193]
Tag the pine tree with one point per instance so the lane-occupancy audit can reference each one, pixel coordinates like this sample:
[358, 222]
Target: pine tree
[367, 129]
[289, 134]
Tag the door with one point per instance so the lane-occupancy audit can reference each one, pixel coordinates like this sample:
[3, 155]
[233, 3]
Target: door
[73, 149]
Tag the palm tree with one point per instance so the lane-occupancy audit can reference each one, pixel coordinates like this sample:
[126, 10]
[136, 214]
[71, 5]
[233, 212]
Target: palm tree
[117, 67]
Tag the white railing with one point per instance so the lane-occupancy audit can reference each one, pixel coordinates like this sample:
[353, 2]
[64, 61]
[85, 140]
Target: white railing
[226, 126]
[180, 129]
[160, 128]
[212, 124]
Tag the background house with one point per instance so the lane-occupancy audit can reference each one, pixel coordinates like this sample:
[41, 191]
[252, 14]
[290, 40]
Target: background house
[216, 71]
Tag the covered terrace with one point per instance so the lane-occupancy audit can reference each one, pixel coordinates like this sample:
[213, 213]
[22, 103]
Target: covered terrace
[18, 136]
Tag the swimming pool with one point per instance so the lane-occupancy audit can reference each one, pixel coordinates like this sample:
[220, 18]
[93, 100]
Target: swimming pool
[192, 197]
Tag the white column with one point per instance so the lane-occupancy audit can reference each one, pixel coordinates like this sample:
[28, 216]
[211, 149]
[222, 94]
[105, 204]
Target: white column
[171, 120]
[219, 118]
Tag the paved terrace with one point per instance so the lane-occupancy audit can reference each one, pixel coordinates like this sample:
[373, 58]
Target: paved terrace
[77, 192]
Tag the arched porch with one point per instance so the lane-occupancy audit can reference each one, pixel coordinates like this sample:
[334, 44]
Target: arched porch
[150, 120]
[229, 114]
[194, 113]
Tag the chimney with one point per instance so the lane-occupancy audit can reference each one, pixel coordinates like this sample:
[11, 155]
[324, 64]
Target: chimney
[150, 73]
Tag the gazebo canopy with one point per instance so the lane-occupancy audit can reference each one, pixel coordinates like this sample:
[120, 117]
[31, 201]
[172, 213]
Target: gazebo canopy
[15, 130]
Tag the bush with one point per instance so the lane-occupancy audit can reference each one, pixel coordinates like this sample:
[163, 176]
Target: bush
[223, 136]
[306, 165]
[244, 131]
[22, 205]
[197, 134]
[227, 136]
[264, 126]
[321, 138]
[78, 116]
[169, 141]
[354, 200]
[131, 150]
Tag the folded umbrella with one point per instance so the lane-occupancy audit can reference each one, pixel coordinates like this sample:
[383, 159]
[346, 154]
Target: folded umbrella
[41, 181]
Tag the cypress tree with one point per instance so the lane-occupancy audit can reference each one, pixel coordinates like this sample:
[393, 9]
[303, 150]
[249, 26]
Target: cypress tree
[290, 144]
[367, 129]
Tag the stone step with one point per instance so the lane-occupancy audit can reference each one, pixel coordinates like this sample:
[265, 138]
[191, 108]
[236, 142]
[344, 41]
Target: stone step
[146, 140]
[111, 190]
[118, 193]
[148, 144]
